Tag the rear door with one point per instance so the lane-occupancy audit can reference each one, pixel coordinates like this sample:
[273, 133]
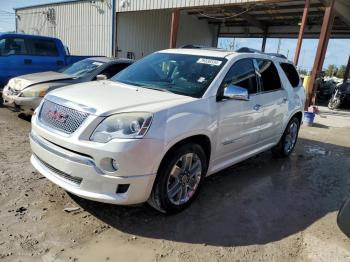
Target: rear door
[239, 121]
[274, 99]
[45, 55]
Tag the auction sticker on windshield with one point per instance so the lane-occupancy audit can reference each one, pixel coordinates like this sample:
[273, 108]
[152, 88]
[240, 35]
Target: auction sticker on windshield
[209, 61]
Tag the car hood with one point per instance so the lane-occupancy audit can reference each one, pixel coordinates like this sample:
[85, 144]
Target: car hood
[108, 97]
[22, 82]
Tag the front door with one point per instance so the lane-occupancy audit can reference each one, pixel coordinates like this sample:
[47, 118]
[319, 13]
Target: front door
[239, 121]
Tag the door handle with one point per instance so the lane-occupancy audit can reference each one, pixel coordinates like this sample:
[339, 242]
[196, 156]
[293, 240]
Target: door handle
[257, 107]
[28, 61]
[284, 100]
[59, 62]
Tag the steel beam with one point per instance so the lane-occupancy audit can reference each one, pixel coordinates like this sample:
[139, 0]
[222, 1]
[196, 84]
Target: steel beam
[301, 32]
[175, 21]
[321, 52]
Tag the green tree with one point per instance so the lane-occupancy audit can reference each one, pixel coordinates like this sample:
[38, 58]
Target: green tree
[341, 71]
[331, 70]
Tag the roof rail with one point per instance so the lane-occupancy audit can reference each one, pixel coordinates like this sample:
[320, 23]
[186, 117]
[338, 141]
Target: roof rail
[191, 46]
[251, 50]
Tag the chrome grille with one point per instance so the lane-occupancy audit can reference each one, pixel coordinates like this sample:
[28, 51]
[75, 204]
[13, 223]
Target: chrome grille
[65, 176]
[61, 118]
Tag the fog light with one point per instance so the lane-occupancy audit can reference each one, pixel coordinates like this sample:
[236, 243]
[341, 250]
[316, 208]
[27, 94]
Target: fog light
[115, 164]
[109, 164]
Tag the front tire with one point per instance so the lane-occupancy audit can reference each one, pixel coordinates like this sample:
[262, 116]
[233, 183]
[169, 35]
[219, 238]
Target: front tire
[288, 140]
[179, 178]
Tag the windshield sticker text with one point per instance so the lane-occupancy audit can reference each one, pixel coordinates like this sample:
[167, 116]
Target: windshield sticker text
[209, 61]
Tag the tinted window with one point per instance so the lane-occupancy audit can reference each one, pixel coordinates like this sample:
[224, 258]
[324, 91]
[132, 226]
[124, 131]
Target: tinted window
[44, 47]
[291, 74]
[242, 74]
[113, 70]
[13, 46]
[188, 75]
[270, 79]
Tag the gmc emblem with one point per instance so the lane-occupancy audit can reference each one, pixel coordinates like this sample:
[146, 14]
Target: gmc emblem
[57, 116]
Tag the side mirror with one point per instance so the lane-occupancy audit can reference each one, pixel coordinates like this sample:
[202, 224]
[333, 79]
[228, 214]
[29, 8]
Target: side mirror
[101, 77]
[236, 93]
[343, 219]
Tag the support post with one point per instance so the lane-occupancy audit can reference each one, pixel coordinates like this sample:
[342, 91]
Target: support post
[175, 20]
[321, 53]
[263, 46]
[302, 31]
[347, 72]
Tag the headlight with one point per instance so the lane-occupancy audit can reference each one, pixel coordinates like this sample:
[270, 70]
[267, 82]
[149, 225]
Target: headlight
[125, 125]
[36, 91]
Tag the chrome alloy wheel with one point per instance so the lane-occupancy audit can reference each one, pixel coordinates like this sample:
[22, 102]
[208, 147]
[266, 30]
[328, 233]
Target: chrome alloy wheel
[184, 178]
[291, 137]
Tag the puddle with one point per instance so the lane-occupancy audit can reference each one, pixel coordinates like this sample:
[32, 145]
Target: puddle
[315, 150]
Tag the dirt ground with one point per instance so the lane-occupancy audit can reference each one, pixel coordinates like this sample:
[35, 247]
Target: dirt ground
[264, 209]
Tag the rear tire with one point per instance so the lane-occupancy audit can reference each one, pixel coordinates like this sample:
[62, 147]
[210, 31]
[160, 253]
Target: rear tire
[179, 179]
[288, 140]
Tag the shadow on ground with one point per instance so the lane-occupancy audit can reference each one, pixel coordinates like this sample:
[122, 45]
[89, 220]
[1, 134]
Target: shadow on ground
[256, 202]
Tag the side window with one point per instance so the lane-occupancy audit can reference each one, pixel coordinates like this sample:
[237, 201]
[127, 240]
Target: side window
[291, 74]
[113, 70]
[13, 46]
[242, 74]
[44, 47]
[270, 79]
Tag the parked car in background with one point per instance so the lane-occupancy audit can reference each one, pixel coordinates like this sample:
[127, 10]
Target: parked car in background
[22, 54]
[340, 96]
[26, 92]
[164, 123]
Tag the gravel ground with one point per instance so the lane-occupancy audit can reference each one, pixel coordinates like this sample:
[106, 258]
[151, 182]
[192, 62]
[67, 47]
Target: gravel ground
[263, 209]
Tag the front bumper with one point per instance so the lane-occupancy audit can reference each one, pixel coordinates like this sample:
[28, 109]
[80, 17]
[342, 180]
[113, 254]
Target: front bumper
[25, 104]
[80, 175]
[8, 99]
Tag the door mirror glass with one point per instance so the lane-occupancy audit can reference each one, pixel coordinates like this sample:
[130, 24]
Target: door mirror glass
[101, 77]
[236, 93]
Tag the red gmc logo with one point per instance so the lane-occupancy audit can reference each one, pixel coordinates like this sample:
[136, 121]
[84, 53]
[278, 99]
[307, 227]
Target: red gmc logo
[57, 116]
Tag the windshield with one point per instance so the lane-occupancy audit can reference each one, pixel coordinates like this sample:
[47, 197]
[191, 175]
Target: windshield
[188, 75]
[82, 68]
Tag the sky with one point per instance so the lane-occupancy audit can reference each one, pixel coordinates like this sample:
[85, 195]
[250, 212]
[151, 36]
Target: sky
[338, 49]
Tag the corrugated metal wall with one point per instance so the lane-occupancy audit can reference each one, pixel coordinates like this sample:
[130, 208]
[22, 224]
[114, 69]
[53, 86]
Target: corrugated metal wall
[137, 5]
[147, 31]
[84, 26]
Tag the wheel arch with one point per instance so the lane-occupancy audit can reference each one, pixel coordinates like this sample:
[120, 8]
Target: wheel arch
[200, 139]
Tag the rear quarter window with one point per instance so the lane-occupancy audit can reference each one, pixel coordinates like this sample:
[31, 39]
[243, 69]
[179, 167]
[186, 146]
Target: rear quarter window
[291, 74]
[44, 47]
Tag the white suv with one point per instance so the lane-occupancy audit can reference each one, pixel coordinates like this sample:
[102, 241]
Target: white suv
[159, 127]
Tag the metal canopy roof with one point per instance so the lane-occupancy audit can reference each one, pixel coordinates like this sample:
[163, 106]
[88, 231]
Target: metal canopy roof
[274, 19]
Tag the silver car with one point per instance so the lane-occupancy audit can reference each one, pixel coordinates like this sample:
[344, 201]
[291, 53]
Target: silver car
[25, 93]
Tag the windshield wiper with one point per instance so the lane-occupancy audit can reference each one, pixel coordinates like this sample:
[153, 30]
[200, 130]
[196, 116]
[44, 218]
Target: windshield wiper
[157, 88]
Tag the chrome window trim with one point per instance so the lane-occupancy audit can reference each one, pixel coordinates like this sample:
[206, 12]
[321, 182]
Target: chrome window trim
[67, 155]
[70, 104]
